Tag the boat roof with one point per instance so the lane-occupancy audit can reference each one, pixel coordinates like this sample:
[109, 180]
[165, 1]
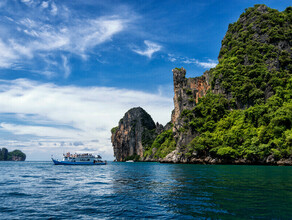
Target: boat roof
[84, 155]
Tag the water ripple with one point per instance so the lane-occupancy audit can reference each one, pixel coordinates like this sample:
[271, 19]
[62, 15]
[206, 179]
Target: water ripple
[40, 190]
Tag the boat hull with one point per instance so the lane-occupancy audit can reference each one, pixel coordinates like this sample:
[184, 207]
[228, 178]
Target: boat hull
[56, 162]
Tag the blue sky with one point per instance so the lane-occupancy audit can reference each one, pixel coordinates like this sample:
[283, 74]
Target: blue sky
[69, 70]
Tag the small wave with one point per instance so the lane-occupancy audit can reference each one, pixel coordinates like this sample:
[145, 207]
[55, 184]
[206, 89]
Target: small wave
[5, 209]
[30, 176]
[97, 183]
[15, 194]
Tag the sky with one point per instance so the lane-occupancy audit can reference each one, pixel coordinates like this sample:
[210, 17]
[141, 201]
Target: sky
[69, 70]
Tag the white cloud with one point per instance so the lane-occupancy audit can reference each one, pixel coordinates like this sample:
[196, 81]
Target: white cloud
[77, 38]
[54, 9]
[45, 4]
[209, 64]
[7, 54]
[151, 48]
[67, 69]
[28, 2]
[94, 32]
[51, 114]
[32, 37]
[171, 58]
[41, 131]
[8, 18]
[11, 52]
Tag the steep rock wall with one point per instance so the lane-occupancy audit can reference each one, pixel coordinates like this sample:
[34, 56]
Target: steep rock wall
[135, 129]
[187, 91]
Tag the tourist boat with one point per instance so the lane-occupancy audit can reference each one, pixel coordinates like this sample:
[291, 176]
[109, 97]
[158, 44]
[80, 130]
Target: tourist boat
[80, 159]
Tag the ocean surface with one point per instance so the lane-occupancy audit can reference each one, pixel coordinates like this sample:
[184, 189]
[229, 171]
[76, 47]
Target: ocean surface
[41, 190]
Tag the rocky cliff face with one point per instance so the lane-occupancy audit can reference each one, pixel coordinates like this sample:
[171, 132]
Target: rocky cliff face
[246, 116]
[135, 129]
[187, 91]
[254, 65]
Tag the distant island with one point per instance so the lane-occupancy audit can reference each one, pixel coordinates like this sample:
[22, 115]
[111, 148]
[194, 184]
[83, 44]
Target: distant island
[239, 112]
[15, 155]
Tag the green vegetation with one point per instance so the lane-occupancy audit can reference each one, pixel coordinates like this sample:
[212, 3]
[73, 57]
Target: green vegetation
[255, 66]
[113, 130]
[255, 56]
[162, 145]
[252, 117]
[148, 137]
[248, 67]
[14, 155]
[208, 111]
[189, 92]
[133, 157]
[253, 133]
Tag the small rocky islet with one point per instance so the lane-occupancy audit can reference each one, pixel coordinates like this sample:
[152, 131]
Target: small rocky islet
[239, 112]
[15, 155]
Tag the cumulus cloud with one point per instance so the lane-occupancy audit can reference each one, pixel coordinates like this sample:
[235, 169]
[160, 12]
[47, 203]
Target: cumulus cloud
[150, 49]
[47, 117]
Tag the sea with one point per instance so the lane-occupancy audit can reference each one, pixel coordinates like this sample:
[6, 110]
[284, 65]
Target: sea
[41, 190]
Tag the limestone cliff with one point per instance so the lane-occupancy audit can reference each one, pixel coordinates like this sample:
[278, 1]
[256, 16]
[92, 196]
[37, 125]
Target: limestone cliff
[239, 112]
[187, 91]
[253, 74]
[135, 132]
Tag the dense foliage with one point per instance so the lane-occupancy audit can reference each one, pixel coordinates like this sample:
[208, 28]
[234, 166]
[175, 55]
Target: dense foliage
[14, 155]
[254, 71]
[255, 56]
[253, 133]
[163, 144]
[148, 137]
[250, 117]
[133, 157]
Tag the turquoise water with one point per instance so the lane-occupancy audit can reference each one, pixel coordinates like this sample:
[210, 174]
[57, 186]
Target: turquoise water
[42, 190]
